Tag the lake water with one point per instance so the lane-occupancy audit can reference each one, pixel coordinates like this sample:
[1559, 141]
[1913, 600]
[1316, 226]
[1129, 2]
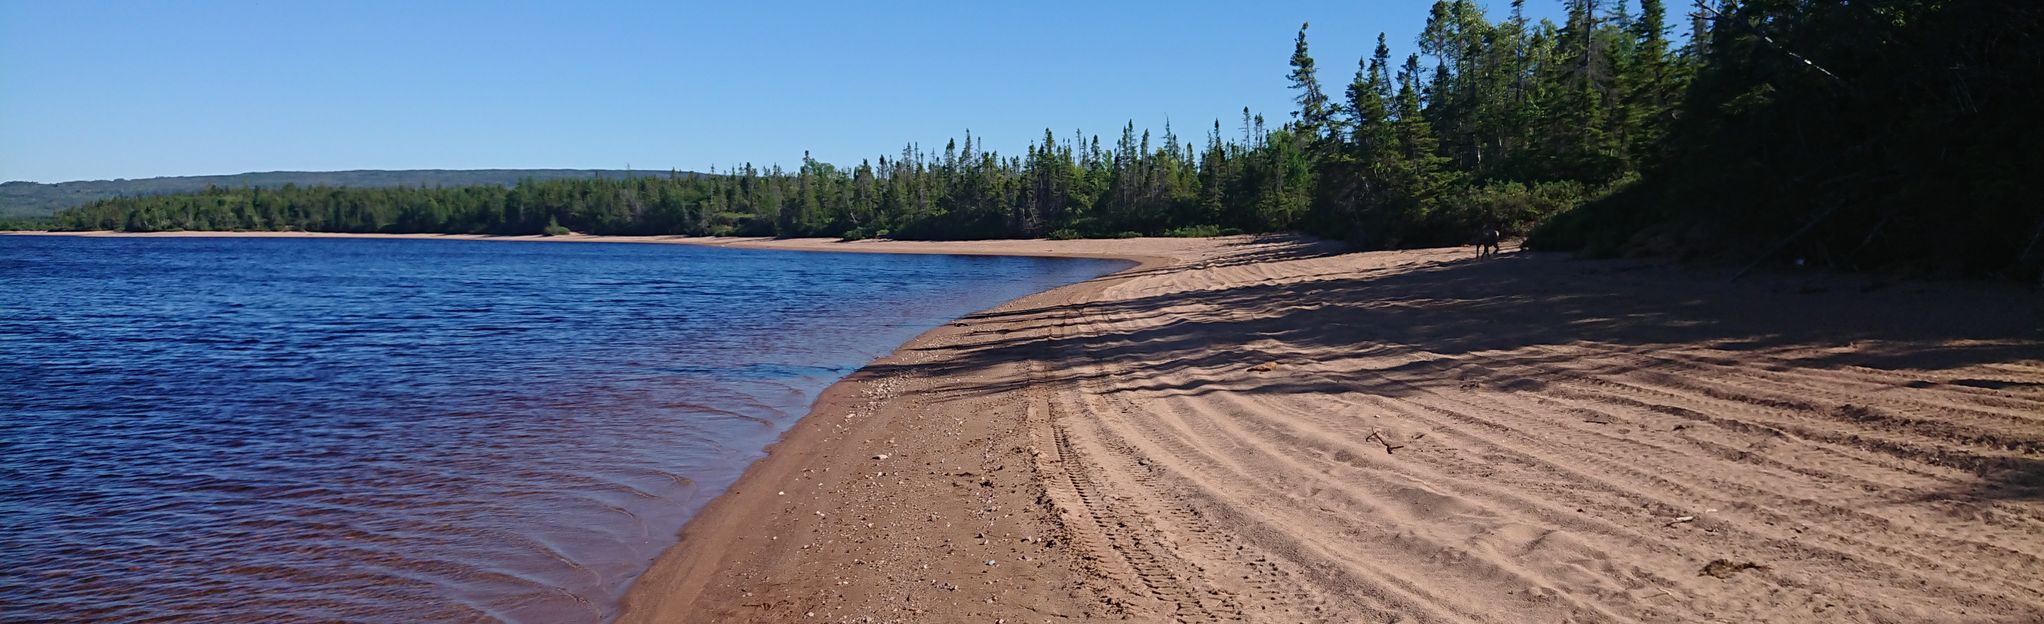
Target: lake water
[410, 430]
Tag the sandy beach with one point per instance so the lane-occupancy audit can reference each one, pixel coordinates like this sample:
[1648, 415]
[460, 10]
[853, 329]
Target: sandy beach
[1244, 431]
[1273, 430]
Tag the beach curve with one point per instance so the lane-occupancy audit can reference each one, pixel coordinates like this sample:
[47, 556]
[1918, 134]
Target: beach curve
[1276, 431]
[1273, 429]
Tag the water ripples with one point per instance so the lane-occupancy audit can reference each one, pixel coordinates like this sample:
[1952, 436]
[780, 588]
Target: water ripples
[304, 430]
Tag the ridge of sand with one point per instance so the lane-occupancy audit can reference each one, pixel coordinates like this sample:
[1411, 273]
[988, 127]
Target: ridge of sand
[1244, 430]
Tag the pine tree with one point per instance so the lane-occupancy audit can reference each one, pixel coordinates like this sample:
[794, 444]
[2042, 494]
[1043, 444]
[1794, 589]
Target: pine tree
[1420, 173]
[1313, 113]
[1647, 95]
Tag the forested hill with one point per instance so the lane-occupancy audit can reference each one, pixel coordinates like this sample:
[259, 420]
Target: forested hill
[35, 199]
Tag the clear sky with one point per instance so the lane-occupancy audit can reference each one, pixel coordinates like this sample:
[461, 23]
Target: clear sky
[94, 90]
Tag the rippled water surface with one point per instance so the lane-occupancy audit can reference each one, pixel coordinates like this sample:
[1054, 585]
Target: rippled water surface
[409, 430]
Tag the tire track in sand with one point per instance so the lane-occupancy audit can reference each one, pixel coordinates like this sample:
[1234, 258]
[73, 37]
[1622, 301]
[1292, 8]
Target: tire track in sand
[1551, 467]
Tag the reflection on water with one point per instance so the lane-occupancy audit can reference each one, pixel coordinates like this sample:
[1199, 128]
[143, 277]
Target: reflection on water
[402, 430]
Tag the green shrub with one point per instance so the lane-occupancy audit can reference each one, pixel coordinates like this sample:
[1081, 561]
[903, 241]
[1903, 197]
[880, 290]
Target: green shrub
[750, 226]
[1512, 207]
[24, 224]
[1601, 226]
[1197, 231]
[1065, 234]
[553, 228]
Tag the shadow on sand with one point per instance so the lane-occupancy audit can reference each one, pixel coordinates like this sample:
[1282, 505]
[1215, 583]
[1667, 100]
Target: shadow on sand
[1527, 316]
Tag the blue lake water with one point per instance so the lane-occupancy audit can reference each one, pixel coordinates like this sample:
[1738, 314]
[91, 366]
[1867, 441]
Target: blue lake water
[410, 430]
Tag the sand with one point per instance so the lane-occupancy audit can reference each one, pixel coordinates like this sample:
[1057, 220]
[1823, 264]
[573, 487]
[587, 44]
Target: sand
[1244, 430]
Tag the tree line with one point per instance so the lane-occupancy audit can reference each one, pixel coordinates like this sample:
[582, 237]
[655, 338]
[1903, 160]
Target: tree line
[1881, 134]
[1859, 134]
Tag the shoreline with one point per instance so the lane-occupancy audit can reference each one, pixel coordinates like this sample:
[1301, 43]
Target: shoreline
[1100, 249]
[674, 585]
[700, 545]
[1267, 429]
[1261, 430]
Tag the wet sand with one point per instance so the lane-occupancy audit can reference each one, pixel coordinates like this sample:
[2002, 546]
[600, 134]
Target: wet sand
[1241, 431]
[1274, 431]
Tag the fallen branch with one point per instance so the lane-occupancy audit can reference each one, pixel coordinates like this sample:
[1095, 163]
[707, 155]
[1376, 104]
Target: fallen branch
[1720, 18]
[1378, 435]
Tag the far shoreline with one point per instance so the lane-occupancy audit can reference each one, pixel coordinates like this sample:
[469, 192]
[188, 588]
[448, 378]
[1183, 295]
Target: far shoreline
[1093, 249]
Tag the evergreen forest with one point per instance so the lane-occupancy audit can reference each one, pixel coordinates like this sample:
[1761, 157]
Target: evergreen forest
[1876, 134]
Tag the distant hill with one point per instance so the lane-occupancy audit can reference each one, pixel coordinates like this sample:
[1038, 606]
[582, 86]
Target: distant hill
[35, 199]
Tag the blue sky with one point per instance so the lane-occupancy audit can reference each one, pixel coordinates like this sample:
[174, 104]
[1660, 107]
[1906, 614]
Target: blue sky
[93, 90]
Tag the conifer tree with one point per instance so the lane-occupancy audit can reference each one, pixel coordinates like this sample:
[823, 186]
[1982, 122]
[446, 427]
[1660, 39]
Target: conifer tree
[1313, 113]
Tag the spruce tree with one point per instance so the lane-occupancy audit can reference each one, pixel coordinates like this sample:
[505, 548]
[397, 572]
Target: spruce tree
[1313, 113]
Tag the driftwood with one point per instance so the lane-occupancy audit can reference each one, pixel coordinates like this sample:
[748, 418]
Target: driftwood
[1390, 445]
